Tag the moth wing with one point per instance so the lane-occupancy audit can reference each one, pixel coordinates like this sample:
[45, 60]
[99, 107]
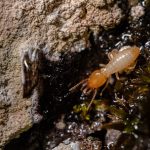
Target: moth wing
[30, 71]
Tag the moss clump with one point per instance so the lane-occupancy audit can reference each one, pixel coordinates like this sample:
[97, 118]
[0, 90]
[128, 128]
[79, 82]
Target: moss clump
[88, 115]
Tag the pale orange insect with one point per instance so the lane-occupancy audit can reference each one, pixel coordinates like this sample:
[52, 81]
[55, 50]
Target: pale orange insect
[124, 59]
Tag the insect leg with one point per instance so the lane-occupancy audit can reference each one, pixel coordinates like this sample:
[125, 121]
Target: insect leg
[95, 92]
[105, 86]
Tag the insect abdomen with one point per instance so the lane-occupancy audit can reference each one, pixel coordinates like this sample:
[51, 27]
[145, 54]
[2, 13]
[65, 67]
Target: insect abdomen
[122, 60]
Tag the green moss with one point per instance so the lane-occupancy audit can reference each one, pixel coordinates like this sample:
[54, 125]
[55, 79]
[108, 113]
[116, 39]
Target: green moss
[97, 105]
[82, 110]
[135, 93]
[128, 111]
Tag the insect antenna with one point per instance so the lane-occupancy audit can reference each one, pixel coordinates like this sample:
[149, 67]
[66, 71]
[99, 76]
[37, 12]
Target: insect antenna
[94, 95]
[78, 84]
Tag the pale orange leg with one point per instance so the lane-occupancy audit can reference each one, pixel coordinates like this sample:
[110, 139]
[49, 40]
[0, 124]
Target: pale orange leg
[74, 87]
[105, 87]
[95, 92]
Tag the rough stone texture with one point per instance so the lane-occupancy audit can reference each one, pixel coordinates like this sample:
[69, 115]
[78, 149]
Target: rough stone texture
[86, 144]
[90, 144]
[137, 11]
[56, 25]
[111, 137]
[71, 146]
[64, 24]
[132, 2]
